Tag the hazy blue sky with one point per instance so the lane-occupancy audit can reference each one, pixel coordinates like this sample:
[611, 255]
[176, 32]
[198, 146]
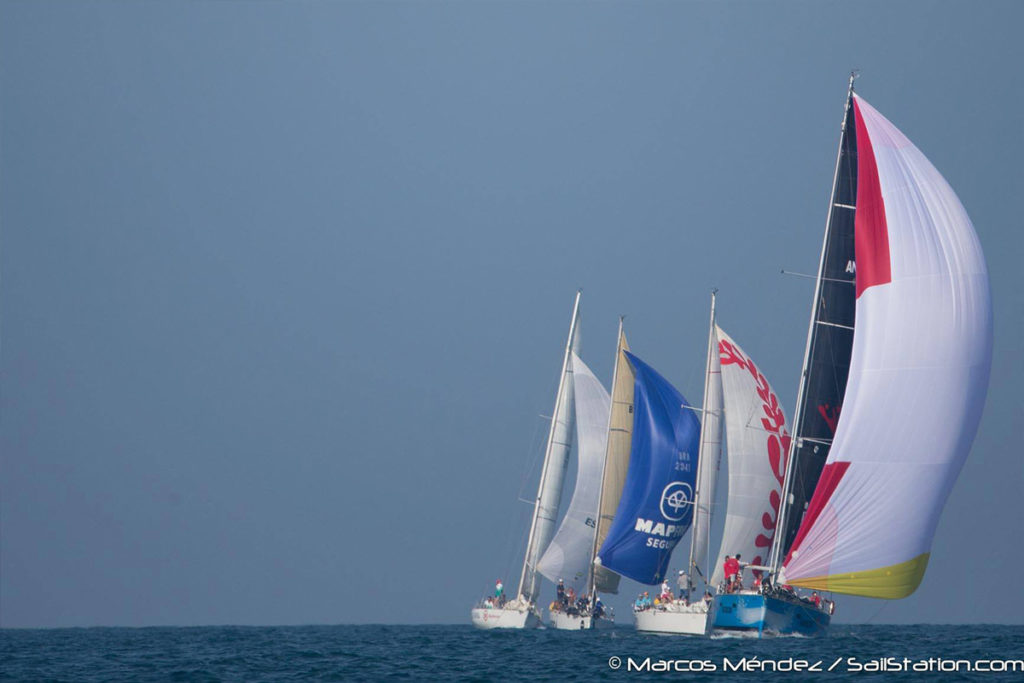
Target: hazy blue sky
[284, 286]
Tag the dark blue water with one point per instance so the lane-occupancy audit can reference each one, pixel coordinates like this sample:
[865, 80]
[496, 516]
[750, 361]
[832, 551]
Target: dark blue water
[335, 653]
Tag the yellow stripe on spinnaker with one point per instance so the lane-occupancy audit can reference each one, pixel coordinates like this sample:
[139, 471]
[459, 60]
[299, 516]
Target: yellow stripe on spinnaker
[891, 583]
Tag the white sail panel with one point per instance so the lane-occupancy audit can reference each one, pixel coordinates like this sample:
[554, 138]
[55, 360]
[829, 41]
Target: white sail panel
[616, 465]
[757, 439]
[708, 464]
[568, 555]
[918, 376]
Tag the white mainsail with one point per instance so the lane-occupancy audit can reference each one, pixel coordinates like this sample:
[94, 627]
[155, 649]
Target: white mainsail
[710, 457]
[570, 553]
[556, 460]
[757, 440]
[919, 372]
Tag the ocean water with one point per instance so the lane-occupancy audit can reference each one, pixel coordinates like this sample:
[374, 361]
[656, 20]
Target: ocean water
[338, 653]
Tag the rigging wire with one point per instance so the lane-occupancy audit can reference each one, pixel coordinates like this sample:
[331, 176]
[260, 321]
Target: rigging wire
[514, 541]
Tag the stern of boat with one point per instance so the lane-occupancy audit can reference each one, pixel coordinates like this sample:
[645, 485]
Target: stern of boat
[757, 615]
[692, 620]
[508, 617]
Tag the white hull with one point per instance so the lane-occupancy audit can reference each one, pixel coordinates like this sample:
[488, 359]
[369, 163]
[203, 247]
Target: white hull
[565, 622]
[504, 618]
[683, 619]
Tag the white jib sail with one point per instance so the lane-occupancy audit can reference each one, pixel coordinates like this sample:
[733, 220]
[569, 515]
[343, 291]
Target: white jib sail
[757, 439]
[568, 554]
[709, 462]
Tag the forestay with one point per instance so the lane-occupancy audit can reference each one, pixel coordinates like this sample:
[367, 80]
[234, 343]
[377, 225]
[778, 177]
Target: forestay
[918, 376]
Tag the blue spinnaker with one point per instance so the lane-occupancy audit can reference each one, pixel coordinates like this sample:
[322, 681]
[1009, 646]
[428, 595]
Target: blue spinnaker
[657, 500]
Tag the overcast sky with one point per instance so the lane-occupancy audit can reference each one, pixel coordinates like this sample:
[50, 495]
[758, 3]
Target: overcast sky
[284, 286]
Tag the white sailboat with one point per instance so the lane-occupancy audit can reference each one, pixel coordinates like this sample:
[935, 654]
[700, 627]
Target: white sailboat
[654, 436]
[739, 400]
[683, 615]
[521, 611]
[571, 552]
[604, 438]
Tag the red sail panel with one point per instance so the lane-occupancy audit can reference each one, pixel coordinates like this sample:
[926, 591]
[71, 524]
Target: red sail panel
[830, 477]
[871, 234]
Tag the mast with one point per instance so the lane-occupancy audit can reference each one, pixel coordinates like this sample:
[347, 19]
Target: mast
[829, 344]
[591, 574]
[548, 493]
[702, 459]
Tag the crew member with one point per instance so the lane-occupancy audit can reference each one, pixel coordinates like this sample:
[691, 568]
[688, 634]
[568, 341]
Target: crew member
[683, 581]
[739, 572]
[731, 567]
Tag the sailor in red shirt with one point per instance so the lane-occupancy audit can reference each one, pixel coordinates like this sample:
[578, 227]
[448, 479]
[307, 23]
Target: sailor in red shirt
[731, 567]
[816, 599]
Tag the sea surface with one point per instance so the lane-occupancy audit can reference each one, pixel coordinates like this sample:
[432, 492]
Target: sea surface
[339, 653]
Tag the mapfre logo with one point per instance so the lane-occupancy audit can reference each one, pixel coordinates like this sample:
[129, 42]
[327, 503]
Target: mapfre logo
[675, 500]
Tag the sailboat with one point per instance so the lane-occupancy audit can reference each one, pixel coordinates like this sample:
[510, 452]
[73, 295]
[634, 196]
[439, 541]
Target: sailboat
[681, 615]
[521, 611]
[758, 439]
[610, 472]
[894, 379]
[737, 396]
[656, 504]
[571, 551]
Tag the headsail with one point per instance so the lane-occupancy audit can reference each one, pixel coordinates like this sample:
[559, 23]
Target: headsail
[616, 464]
[758, 440]
[918, 376]
[569, 555]
[556, 459]
[657, 501]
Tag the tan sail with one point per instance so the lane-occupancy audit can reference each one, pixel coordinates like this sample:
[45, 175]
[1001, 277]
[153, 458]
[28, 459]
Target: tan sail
[620, 434]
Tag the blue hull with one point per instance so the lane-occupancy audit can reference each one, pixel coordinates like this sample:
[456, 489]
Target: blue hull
[760, 615]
